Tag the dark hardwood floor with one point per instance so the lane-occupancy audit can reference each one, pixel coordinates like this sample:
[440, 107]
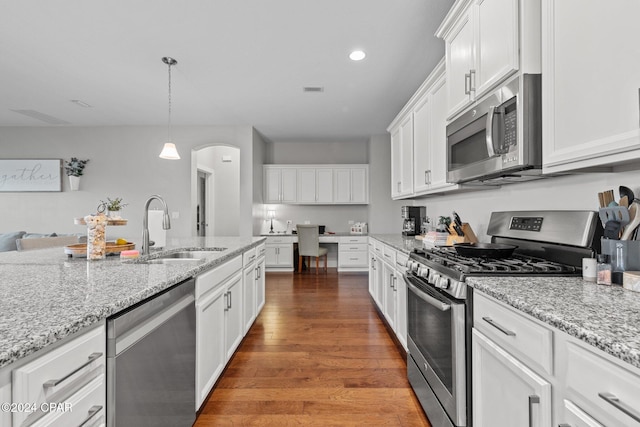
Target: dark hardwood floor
[317, 355]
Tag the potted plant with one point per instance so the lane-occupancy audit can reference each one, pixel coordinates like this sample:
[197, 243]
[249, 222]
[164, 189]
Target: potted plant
[113, 206]
[74, 169]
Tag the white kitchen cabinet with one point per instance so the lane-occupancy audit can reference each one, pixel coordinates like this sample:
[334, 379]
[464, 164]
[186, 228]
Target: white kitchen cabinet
[315, 185]
[390, 298]
[505, 391]
[249, 274]
[280, 184]
[486, 41]
[401, 296]
[573, 416]
[279, 253]
[73, 374]
[590, 84]
[351, 184]
[373, 261]
[260, 280]
[219, 322]
[353, 253]
[402, 157]
[234, 325]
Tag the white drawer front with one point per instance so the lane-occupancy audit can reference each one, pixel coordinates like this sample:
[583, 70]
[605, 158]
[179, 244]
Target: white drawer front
[354, 259]
[248, 257]
[62, 371]
[353, 247]
[354, 239]
[576, 417]
[212, 278]
[522, 337]
[602, 388]
[261, 250]
[280, 239]
[86, 406]
[389, 254]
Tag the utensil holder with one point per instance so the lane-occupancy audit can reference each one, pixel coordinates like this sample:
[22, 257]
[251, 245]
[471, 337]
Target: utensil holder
[469, 235]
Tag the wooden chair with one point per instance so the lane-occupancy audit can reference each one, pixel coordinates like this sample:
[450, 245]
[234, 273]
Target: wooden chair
[309, 246]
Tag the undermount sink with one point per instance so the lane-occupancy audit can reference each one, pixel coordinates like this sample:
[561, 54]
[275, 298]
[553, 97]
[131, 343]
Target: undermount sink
[186, 257]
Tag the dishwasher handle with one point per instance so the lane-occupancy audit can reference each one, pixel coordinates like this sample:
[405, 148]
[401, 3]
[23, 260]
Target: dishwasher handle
[127, 329]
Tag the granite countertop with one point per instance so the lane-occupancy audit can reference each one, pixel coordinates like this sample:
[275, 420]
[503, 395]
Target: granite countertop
[402, 243]
[607, 317]
[46, 296]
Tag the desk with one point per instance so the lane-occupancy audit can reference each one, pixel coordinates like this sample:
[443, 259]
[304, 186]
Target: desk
[351, 250]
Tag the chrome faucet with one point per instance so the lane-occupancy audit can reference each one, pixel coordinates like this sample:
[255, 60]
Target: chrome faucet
[166, 222]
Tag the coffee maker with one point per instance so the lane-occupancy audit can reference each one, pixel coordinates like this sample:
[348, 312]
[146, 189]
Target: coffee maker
[413, 217]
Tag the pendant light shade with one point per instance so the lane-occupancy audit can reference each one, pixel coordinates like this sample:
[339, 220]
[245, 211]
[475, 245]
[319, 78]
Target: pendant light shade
[169, 151]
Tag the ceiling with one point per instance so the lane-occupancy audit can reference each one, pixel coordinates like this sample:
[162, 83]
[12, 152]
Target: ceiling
[240, 62]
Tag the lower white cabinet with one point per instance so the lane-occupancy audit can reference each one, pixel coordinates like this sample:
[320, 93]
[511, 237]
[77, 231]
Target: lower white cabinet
[525, 368]
[279, 253]
[219, 322]
[387, 286]
[505, 391]
[253, 281]
[65, 386]
[353, 253]
[260, 282]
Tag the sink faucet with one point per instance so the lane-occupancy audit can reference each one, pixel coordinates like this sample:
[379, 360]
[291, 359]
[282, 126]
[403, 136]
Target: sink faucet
[166, 222]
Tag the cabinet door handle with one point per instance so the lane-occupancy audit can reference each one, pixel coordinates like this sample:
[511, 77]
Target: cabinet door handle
[533, 399]
[429, 176]
[564, 425]
[467, 84]
[498, 327]
[399, 184]
[426, 180]
[53, 383]
[613, 400]
[230, 300]
[472, 83]
[395, 284]
[91, 413]
[226, 301]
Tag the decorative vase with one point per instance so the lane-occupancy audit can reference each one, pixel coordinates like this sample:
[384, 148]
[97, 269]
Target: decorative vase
[74, 182]
[96, 242]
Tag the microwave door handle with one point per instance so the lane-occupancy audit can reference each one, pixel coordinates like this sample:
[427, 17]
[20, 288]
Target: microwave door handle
[490, 147]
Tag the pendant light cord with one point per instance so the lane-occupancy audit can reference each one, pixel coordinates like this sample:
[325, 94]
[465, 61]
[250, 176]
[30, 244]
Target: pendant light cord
[169, 120]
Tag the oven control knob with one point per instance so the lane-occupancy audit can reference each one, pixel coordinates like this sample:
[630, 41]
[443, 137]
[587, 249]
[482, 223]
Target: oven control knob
[442, 283]
[423, 271]
[434, 278]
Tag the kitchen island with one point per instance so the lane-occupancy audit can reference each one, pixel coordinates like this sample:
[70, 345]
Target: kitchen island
[47, 296]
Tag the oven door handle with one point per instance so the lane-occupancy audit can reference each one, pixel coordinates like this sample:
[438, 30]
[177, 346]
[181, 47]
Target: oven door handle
[440, 305]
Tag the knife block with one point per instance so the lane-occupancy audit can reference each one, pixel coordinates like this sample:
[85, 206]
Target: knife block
[469, 235]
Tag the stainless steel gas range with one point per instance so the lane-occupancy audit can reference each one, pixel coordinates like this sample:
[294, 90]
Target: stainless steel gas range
[440, 305]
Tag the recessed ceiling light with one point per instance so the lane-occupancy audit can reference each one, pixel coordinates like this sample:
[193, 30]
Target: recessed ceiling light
[313, 89]
[357, 55]
[81, 103]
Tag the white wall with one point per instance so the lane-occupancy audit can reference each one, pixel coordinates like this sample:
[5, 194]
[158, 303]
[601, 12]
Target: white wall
[574, 192]
[226, 188]
[123, 163]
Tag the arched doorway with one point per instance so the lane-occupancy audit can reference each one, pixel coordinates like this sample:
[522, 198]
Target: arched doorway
[216, 190]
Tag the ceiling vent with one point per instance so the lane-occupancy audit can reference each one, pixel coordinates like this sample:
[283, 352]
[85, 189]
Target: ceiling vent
[42, 117]
[313, 89]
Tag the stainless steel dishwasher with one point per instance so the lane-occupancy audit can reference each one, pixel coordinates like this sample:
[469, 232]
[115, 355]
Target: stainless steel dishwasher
[151, 361]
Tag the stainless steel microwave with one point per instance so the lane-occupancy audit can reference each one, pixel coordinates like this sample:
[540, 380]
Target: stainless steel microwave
[499, 139]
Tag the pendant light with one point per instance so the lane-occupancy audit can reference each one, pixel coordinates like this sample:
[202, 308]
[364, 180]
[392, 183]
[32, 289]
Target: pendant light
[169, 150]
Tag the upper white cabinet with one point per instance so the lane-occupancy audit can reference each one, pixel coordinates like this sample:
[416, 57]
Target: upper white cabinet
[280, 184]
[485, 42]
[418, 141]
[590, 83]
[351, 184]
[316, 184]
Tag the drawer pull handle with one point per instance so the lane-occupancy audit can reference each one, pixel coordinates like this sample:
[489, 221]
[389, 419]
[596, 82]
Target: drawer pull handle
[564, 425]
[613, 400]
[53, 383]
[498, 327]
[92, 413]
[533, 399]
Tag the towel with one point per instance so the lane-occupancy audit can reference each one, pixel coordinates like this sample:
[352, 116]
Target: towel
[156, 233]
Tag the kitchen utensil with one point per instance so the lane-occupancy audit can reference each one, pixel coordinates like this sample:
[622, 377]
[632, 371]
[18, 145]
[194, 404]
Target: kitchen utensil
[601, 200]
[624, 201]
[615, 213]
[612, 229]
[626, 191]
[484, 250]
[608, 197]
[456, 219]
[633, 224]
[458, 229]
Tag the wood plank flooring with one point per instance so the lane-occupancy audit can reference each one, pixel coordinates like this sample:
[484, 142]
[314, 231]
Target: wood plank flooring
[318, 355]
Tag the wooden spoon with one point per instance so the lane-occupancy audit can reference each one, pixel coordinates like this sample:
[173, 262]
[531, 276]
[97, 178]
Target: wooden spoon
[634, 221]
[624, 201]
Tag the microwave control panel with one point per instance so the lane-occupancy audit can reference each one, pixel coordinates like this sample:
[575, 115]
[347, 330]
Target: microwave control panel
[526, 223]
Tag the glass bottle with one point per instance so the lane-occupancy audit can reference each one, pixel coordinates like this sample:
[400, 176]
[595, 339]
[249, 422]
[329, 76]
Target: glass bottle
[603, 270]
